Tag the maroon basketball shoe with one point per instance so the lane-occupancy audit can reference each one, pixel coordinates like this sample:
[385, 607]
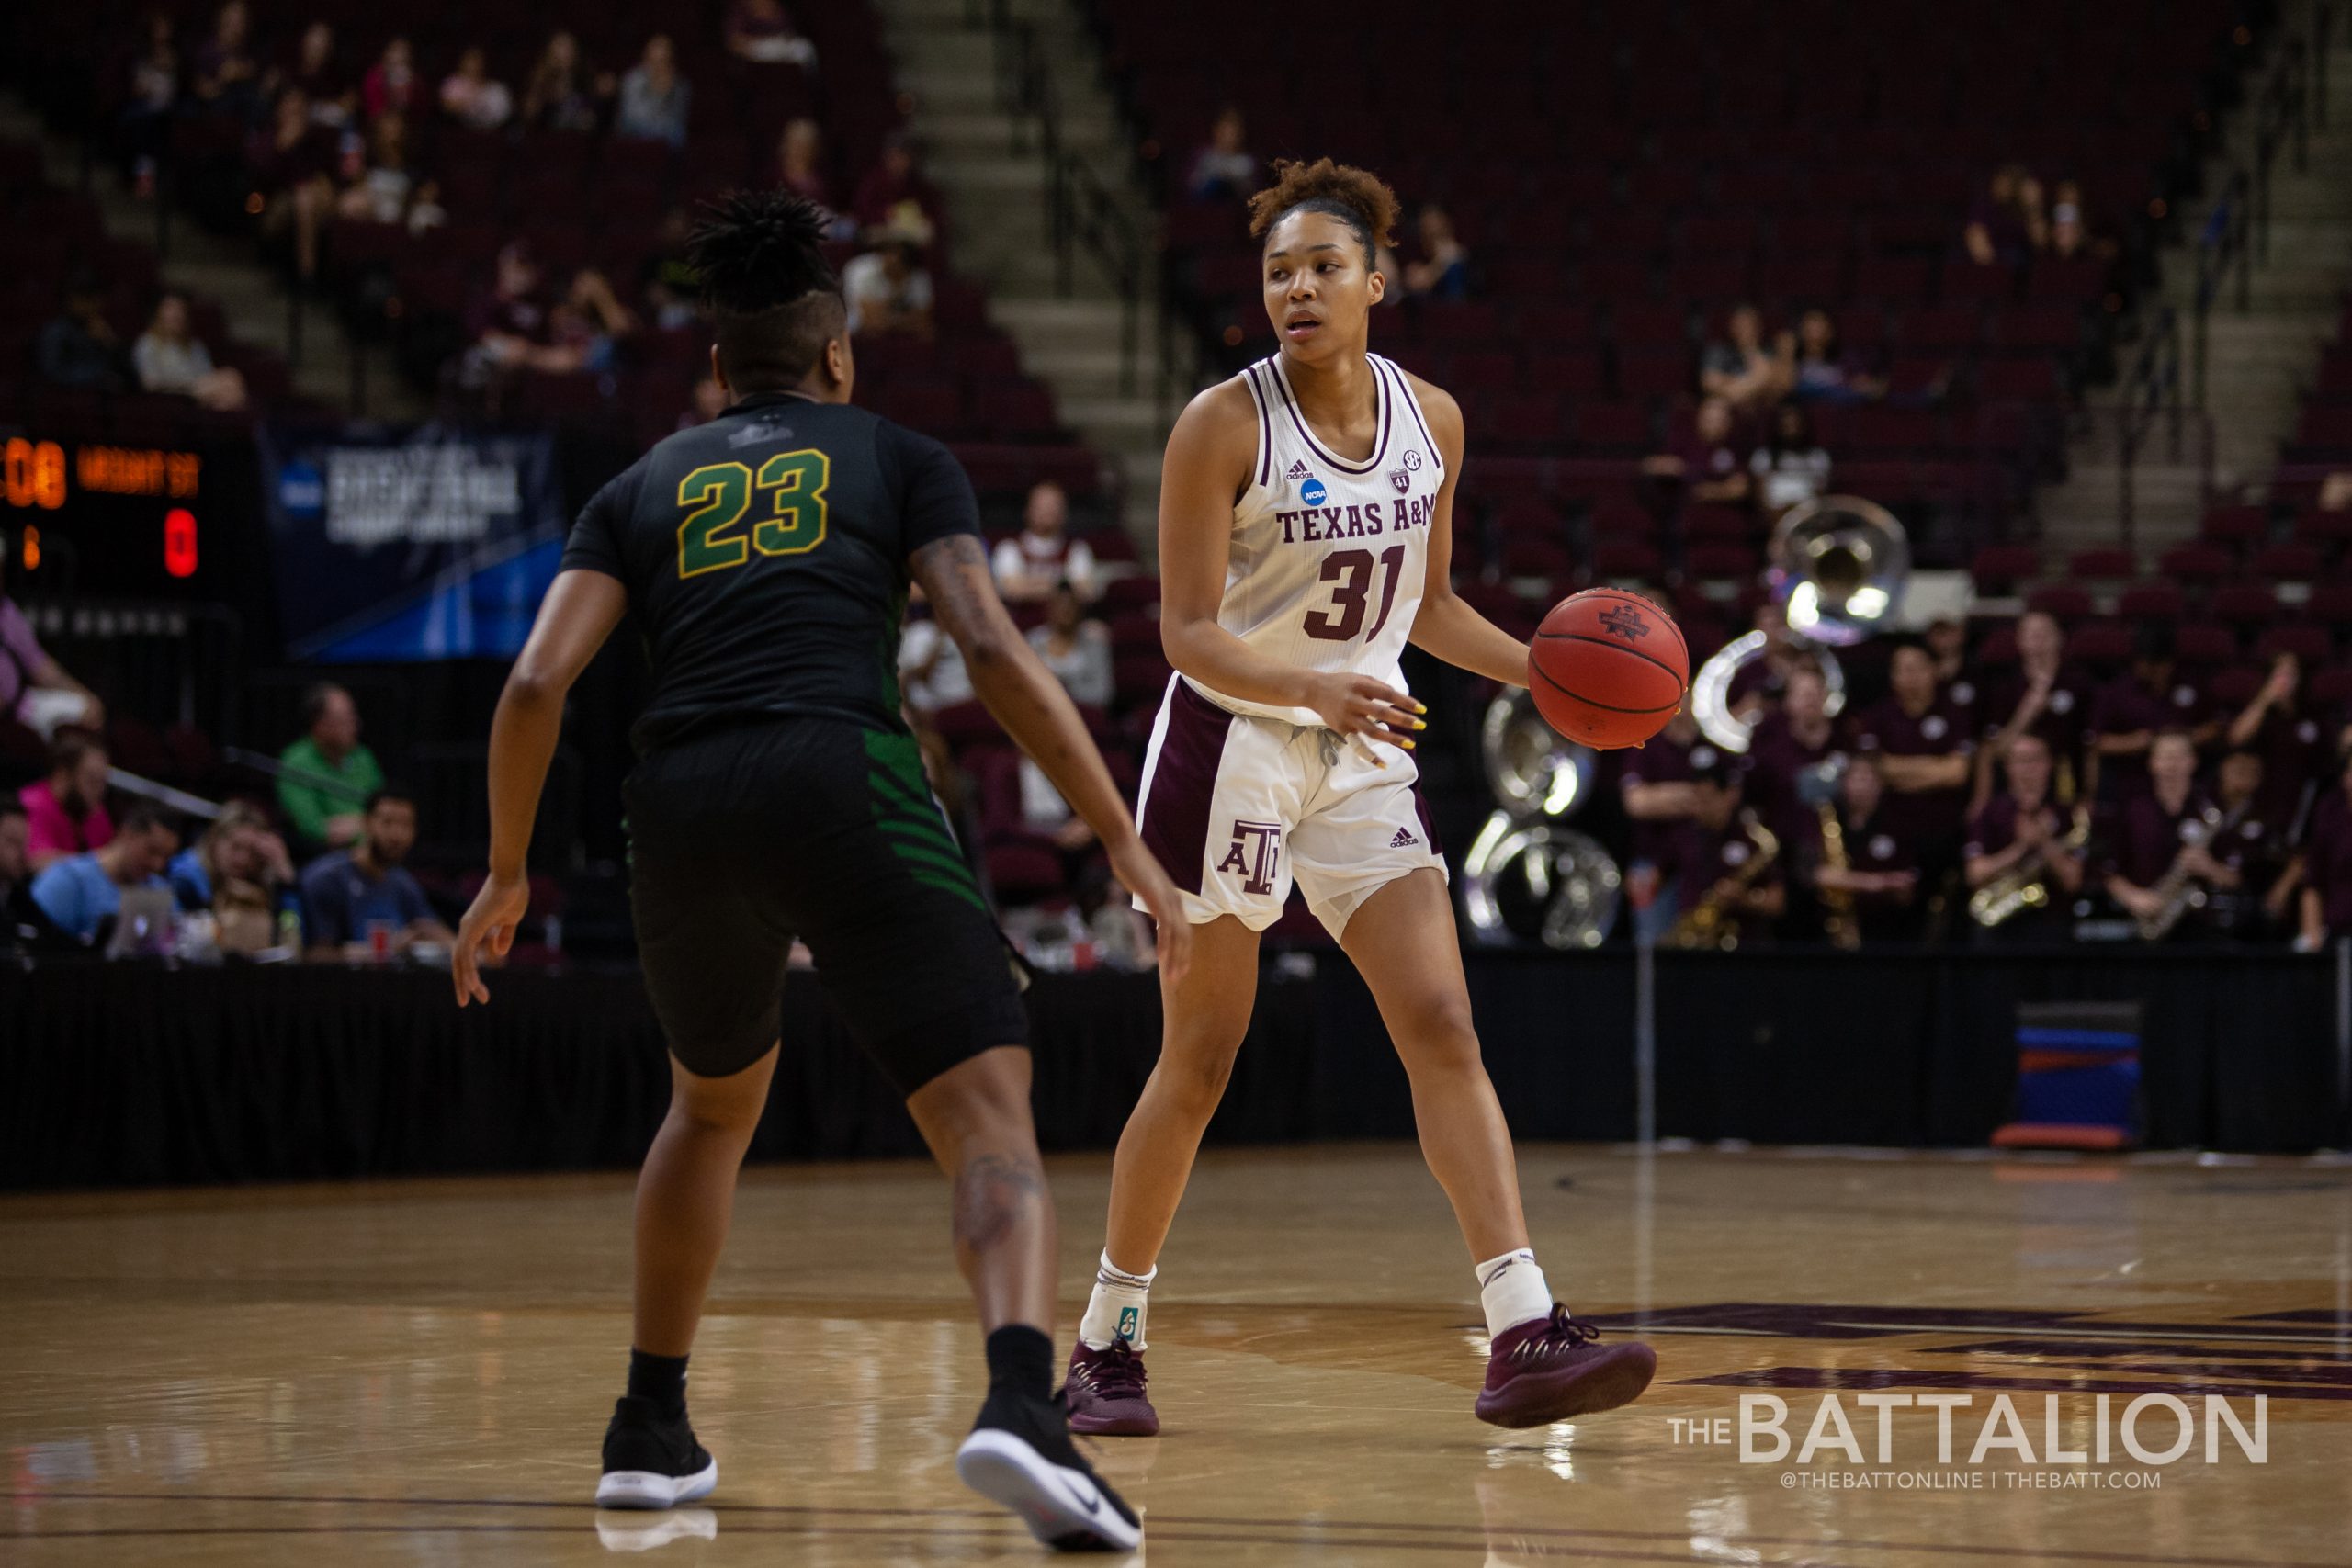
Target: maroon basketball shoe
[1549, 1368]
[1106, 1393]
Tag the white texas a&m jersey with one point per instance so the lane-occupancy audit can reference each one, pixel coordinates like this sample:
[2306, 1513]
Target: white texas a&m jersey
[1327, 556]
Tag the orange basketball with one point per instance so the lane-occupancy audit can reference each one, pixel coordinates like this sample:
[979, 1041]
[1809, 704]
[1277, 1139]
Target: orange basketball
[1607, 668]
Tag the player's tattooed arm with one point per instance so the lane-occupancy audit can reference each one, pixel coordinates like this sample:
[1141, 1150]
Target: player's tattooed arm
[1014, 682]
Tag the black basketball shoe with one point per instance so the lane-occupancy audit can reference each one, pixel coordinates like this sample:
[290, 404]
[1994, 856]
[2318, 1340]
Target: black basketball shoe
[1020, 1455]
[651, 1461]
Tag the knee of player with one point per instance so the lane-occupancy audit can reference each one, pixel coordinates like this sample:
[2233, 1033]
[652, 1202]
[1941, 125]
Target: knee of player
[1438, 1036]
[1197, 1075]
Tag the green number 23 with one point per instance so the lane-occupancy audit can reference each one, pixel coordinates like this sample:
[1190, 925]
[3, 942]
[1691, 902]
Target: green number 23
[794, 486]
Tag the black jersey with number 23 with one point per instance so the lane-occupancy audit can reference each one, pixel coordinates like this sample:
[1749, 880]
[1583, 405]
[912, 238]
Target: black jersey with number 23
[766, 554]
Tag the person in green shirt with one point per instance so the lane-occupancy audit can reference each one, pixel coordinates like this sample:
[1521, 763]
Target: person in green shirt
[329, 773]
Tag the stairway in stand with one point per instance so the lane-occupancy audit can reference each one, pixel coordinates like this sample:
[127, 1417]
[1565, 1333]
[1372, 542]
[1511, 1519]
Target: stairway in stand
[985, 161]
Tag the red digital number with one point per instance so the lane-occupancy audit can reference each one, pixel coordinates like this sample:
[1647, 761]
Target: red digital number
[179, 542]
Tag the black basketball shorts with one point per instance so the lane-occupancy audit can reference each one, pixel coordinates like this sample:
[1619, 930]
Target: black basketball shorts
[743, 839]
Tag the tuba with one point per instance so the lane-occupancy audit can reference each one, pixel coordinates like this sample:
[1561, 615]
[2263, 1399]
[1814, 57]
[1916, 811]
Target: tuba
[1527, 873]
[1838, 568]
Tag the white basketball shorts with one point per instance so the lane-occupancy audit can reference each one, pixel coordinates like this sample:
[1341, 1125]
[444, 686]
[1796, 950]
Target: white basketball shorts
[1236, 807]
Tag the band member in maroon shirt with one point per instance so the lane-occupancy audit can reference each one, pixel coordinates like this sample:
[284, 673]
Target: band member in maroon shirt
[1882, 869]
[1654, 784]
[2248, 840]
[2046, 696]
[2326, 864]
[2024, 819]
[2167, 826]
[2133, 708]
[1755, 687]
[1799, 735]
[1715, 856]
[1923, 744]
[2287, 733]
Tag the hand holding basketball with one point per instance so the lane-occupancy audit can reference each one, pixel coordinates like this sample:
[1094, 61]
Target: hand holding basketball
[1607, 668]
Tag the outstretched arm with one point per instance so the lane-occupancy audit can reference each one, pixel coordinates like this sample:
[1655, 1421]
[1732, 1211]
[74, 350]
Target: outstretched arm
[1008, 676]
[1447, 626]
[580, 612]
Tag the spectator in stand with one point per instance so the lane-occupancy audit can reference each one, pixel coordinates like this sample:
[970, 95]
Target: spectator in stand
[562, 93]
[762, 32]
[1443, 269]
[171, 358]
[1043, 556]
[25, 926]
[472, 98]
[2070, 230]
[1946, 640]
[391, 86]
[2280, 729]
[349, 895]
[1791, 468]
[1923, 744]
[668, 280]
[894, 191]
[239, 872]
[888, 289]
[1224, 169]
[1655, 789]
[2133, 709]
[35, 689]
[2163, 827]
[707, 403]
[1714, 854]
[1757, 686]
[1882, 871]
[2047, 697]
[2003, 224]
[293, 166]
[2325, 896]
[1821, 372]
[932, 674]
[2248, 841]
[654, 99]
[1705, 461]
[81, 892]
[78, 348]
[512, 325]
[2025, 818]
[327, 773]
[586, 328]
[153, 93]
[1792, 740]
[1739, 367]
[226, 77]
[800, 169]
[1075, 646]
[385, 188]
[67, 810]
[327, 89]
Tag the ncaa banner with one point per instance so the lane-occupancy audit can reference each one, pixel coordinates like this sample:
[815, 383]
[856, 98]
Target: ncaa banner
[432, 543]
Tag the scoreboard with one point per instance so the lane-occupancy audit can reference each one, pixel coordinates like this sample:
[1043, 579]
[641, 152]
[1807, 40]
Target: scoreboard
[92, 518]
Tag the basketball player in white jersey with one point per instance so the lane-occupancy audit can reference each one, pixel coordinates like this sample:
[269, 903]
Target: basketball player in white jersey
[1305, 538]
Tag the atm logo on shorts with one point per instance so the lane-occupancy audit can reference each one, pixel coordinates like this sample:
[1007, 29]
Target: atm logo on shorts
[1256, 853]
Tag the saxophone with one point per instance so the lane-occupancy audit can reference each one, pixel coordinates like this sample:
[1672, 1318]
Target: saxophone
[1836, 903]
[1711, 922]
[2177, 890]
[2026, 884]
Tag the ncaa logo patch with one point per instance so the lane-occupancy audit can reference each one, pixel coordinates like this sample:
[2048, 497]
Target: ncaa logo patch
[1312, 491]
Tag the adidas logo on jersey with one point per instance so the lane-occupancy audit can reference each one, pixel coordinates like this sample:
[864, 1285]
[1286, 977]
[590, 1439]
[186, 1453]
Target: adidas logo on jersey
[1297, 471]
[1404, 840]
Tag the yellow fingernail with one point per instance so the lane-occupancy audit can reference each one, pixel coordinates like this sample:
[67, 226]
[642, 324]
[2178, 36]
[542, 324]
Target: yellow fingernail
[1406, 744]
[1420, 707]
[1420, 724]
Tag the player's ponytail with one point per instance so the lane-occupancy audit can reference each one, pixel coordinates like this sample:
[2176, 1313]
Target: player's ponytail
[1357, 197]
[759, 258]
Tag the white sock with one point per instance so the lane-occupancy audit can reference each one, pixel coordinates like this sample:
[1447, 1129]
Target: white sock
[1512, 1290]
[1117, 1308]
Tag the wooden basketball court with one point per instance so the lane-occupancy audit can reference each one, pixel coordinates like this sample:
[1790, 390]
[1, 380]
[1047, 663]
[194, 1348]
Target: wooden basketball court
[420, 1373]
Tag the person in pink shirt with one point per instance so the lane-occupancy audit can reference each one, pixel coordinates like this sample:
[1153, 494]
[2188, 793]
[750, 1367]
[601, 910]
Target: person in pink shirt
[66, 812]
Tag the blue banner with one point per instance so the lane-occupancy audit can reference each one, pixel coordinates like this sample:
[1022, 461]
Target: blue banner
[428, 545]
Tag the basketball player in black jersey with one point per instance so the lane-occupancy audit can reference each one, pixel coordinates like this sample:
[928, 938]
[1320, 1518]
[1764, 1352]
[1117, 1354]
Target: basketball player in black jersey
[768, 556]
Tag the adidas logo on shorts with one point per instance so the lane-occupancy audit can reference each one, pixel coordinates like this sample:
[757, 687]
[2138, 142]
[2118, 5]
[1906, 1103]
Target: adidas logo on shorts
[1403, 839]
[1297, 470]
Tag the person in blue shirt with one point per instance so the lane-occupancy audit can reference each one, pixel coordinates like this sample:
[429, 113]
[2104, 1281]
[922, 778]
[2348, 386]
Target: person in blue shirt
[81, 892]
[347, 892]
